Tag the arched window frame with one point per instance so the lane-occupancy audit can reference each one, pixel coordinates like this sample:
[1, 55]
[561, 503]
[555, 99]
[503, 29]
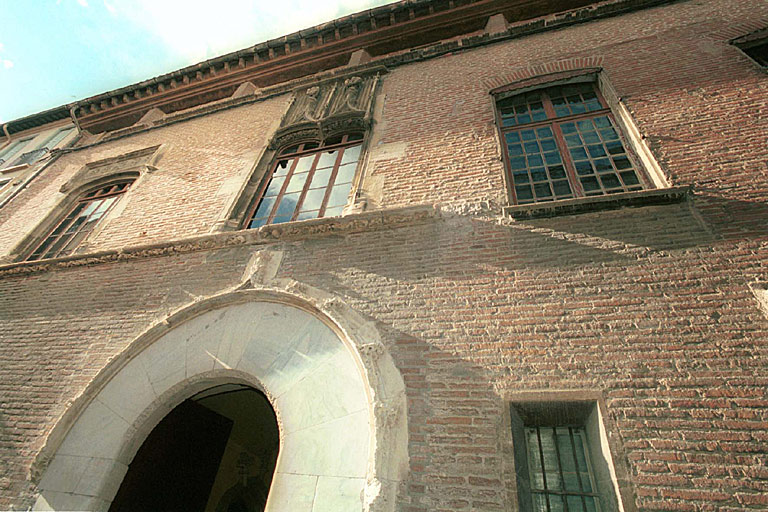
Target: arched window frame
[321, 184]
[92, 203]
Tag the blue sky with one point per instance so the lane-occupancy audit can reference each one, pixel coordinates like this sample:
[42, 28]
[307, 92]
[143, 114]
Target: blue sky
[54, 52]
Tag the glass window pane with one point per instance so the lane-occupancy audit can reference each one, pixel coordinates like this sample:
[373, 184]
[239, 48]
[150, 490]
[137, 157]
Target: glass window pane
[333, 212]
[551, 466]
[274, 186]
[282, 167]
[265, 208]
[327, 159]
[308, 215]
[321, 177]
[339, 195]
[304, 164]
[314, 199]
[346, 173]
[351, 155]
[287, 204]
[296, 184]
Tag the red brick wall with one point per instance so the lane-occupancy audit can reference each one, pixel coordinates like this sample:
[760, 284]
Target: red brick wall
[649, 306]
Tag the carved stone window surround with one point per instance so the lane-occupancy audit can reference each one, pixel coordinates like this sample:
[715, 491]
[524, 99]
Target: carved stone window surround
[319, 111]
[96, 174]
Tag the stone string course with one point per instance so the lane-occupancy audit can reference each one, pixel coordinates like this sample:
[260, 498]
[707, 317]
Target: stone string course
[649, 306]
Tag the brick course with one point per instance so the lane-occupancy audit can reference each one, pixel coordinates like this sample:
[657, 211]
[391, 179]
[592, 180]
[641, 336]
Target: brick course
[649, 306]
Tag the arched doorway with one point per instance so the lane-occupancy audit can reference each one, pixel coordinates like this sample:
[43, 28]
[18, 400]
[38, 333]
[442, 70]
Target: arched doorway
[214, 452]
[337, 396]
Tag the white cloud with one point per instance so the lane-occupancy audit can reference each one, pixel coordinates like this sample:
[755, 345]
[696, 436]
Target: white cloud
[2, 47]
[201, 30]
[83, 3]
[7, 64]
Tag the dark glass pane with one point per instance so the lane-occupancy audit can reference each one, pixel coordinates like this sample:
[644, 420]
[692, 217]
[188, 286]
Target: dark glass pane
[528, 135]
[596, 151]
[602, 122]
[538, 174]
[535, 161]
[290, 150]
[590, 502]
[581, 459]
[568, 464]
[568, 128]
[520, 177]
[542, 190]
[556, 503]
[610, 181]
[575, 504]
[622, 162]
[512, 137]
[524, 119]
[514, 149]
[583, 167]
[590, 137]
[603, 165]
[573, 140]
[590, 184]
[524, 193]
[539, 503]
[531, 147]
[562, 188]
[614, 147]
[548, 145]
[630, 178]
[544, 132]
[517, 162]
[552, 158]
[557, 172]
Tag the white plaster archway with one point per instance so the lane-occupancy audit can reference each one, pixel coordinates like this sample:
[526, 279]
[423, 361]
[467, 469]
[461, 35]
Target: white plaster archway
[338, 397]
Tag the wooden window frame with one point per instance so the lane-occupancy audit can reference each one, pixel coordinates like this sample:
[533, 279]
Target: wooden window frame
[554, 123]
[293, 155]
[59, 230]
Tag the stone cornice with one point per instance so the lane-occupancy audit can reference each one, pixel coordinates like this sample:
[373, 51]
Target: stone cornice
[270, 234]
[400, 26]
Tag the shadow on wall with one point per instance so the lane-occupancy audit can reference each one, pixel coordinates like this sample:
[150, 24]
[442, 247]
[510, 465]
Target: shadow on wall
[460, 248]
[733, 219]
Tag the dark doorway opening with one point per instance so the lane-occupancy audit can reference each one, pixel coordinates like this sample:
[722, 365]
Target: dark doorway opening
[215, 452]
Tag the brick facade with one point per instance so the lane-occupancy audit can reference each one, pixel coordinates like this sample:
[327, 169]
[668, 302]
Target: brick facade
[650, 307]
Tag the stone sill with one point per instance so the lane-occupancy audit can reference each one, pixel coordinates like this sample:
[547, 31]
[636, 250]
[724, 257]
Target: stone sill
[599, 203]
[299, 230]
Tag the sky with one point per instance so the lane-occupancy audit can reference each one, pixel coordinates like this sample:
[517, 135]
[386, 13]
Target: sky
[54, 52]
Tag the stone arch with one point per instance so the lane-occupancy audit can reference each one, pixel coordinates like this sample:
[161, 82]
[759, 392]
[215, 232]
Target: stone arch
[338, 397]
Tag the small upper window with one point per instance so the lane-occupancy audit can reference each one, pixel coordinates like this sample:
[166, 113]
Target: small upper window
[11, 150]
[307, 181]
[562, 142]
[80, 221]
[757, 51]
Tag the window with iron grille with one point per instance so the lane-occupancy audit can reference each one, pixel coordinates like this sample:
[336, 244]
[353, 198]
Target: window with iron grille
[563, 142]
[307, 181]
[80, 221]
[560, 473]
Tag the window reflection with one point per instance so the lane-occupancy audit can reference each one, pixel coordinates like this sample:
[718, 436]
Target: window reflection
[309, 181]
